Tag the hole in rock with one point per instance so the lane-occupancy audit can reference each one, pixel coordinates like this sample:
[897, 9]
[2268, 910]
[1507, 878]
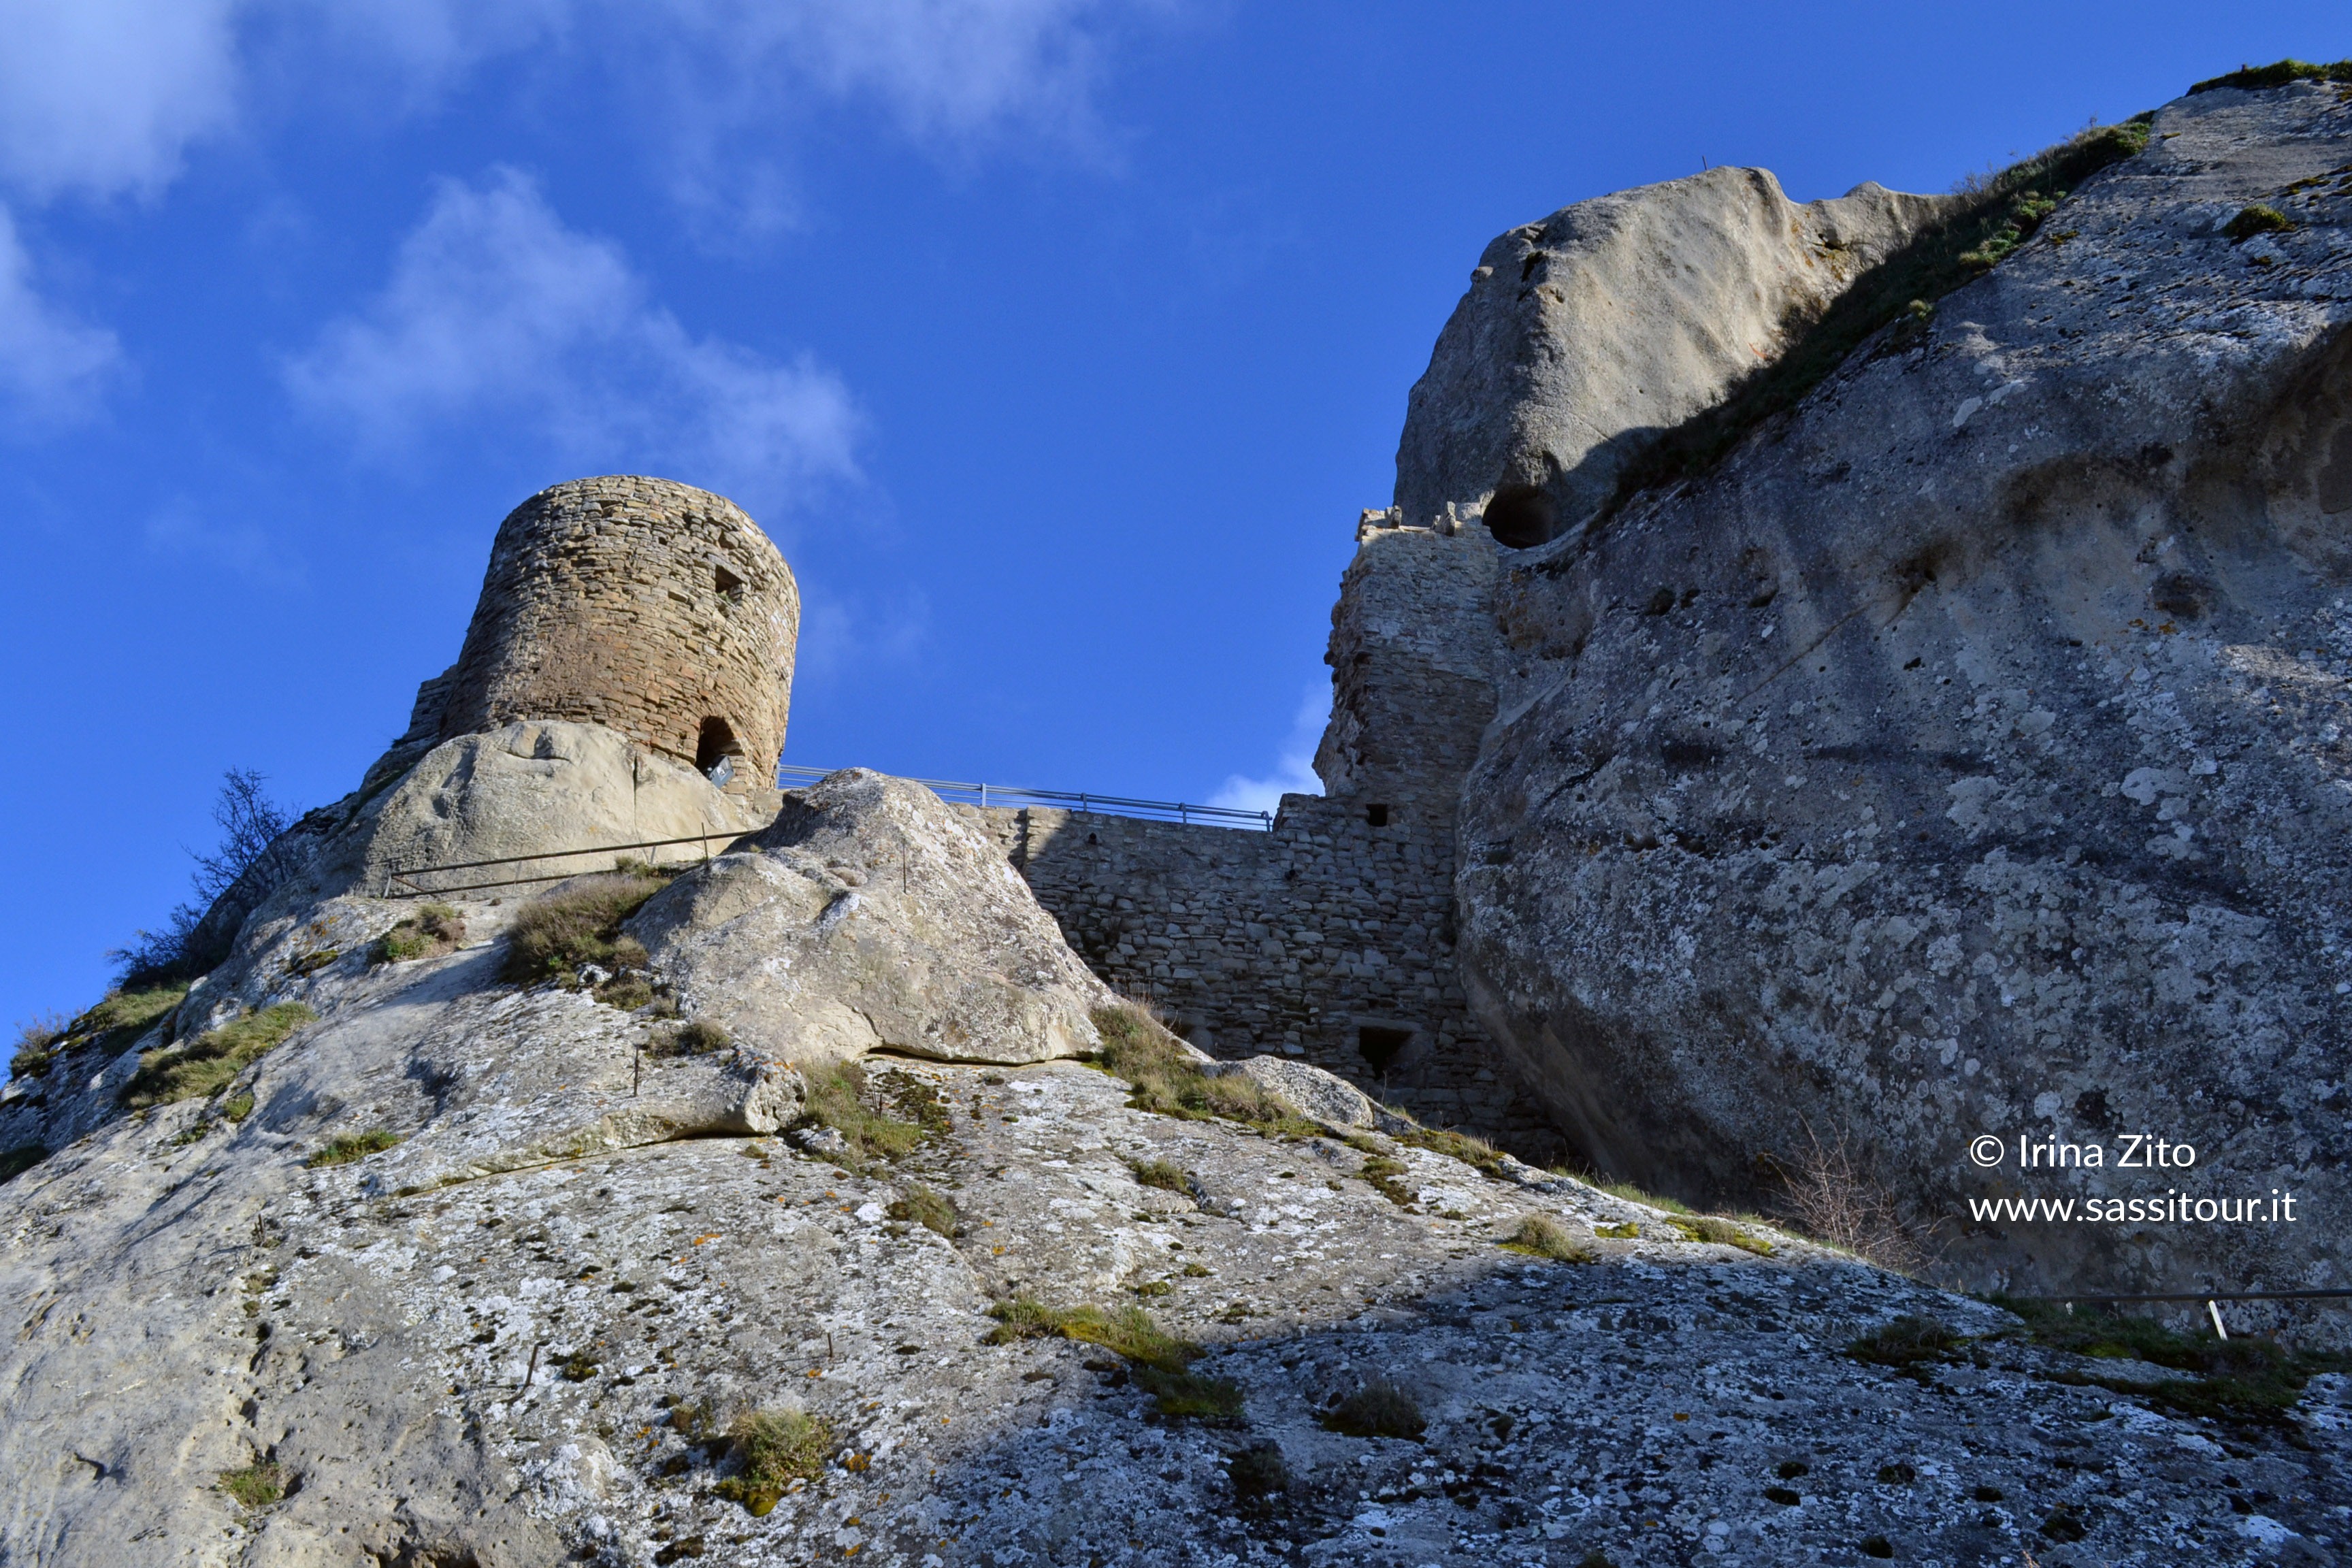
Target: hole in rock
[727, 581]
[1381, 1045]
[1378, 816]
[1520, 517]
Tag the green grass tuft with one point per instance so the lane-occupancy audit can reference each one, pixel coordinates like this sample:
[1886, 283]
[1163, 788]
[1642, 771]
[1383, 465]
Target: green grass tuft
[838, 1099]
[1161, 1361]
[258, 1485]
[1157, 1066]
[1907, 1342]
[1189, 1397]
[116, 1022]
[1160, 1174]
[2258, 219]
[203, 1066]
[1633, 1194]
[1380, 1173]
[353, 1147]
[2279, 73]
[774, 1449]
[1541, 1236]
[1722, 1232]
[1476, 1153]
[932, 1211]
[1378, 1410]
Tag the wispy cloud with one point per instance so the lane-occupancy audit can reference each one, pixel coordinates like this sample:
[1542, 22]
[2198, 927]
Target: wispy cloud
[1294, 766]
[839, 634]
[241, 548]
[53, 369]
[103, 97]
[495, 310]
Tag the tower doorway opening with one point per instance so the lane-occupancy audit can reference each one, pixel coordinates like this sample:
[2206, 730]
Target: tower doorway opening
[717, 749]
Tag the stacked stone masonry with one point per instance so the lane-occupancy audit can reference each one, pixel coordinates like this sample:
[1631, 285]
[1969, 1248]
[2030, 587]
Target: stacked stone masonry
[649, 607]
[1328, 939]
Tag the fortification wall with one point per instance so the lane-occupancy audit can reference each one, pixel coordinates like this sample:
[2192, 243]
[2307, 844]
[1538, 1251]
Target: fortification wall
[1329, 939]
[647, 607]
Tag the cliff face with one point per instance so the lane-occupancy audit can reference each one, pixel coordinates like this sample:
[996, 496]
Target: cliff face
[1966, 753]
[1585, 336]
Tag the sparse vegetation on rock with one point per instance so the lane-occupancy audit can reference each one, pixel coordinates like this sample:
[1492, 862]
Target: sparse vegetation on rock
[434, 929]
[351, 1147]
[203, 1066]
[773, 1448]
[575, 928]
[1540, 1235]
[1157, 1065]
[1378, 1409]
[257, 1485]
[918, 1204]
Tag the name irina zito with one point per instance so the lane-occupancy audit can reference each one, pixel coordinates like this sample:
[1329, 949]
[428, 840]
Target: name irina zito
[2137, 1152]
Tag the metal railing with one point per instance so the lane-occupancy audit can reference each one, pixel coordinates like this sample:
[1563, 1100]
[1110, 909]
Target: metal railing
[397, 874]
[985, 794]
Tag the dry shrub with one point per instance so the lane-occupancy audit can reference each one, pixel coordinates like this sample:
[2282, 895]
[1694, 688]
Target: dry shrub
[1378, 1410]
[1833, 1197]
[38, 1043]
[577, 923]
[1542, 1236]
[775, 1447]
[934, 1211]
[700, 1037]
[434, 929]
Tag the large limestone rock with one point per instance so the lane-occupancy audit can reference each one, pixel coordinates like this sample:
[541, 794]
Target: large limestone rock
[1586, 336]
[870, 917]
[1967, 754]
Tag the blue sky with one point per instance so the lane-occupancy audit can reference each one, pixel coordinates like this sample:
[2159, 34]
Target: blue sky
[1058, 342]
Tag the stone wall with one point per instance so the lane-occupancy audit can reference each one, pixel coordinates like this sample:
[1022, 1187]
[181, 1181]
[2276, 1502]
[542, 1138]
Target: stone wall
[650, 608]
[1328, 939]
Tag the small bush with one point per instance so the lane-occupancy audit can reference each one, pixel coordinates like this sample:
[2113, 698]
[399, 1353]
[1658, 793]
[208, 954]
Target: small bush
[238, 1107]
[932, 1211]
[1378, 1410]
[353, 1147]
[838, 1099]
[2258, 219]
[434, 929]
[1258, 1473]
[774, 1449]
[204, 1065]
[38, 1043]
[1834, 1195]
[1189, 1397]
[577, 923]
[700, 1037]
[15, 1163]
[1540, 1236]
[1905, 1343]
[1160, 1174]
[1140, 1049]
[1722, 1232]
[258, 1485]
[2253, 78]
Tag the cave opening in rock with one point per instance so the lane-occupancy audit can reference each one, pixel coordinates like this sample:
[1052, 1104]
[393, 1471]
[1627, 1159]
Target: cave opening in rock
[1520, 516]
[1376, 816]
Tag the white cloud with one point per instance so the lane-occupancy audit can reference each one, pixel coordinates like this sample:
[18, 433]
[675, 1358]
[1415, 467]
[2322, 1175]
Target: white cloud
[496, 311]
[242, 548]
[53, 369]
[1293, 767]
[104, 96]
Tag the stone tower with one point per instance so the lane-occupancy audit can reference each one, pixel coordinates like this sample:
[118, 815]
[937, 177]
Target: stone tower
[649, 607]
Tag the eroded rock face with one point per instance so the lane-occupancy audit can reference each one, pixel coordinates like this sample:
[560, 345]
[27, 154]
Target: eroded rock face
[1585, 336]
[1967, 754]
[870, 917]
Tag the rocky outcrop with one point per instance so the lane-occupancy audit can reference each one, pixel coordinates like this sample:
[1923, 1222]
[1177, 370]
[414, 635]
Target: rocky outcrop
[1967, 754]
[1587, 335]
[869, 916]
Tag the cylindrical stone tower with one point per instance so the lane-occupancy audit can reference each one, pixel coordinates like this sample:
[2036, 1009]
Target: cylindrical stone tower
[650, 608]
